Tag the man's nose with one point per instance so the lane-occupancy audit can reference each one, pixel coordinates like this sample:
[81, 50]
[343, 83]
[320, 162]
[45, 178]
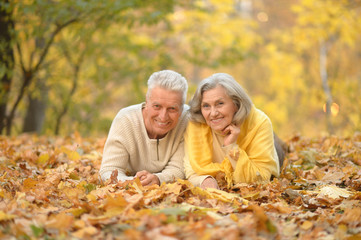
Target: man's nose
[163, 115]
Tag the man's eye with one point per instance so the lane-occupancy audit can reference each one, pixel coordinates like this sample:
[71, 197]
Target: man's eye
[172, 109]
[156, 106]
[220, 103]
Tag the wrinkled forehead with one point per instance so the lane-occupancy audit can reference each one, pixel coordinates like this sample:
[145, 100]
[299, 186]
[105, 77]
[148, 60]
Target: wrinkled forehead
[210, 87]
[165, 96]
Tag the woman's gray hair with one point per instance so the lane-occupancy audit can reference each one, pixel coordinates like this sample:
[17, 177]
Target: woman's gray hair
[169, 80]
[233, 89]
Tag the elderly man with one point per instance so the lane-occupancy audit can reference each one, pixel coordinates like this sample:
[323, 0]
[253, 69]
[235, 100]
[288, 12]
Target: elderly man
[146, 140]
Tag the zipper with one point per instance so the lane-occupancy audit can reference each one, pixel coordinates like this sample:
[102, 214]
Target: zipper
[158, 149]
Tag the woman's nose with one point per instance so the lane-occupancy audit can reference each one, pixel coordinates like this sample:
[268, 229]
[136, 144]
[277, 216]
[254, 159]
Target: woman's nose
[214, 111]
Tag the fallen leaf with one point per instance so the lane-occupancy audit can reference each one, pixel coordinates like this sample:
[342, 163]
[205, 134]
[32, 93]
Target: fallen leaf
[306, 225]
[5, 217]
[333, 192]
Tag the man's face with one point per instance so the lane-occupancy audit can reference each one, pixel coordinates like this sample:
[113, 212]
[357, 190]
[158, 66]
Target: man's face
[162, 111]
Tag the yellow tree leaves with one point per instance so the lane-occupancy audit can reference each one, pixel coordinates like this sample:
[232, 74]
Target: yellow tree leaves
[333, 18]
[60, 196]
[213, 33]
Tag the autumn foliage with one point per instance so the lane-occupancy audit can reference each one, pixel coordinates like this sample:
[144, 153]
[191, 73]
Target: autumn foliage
[50, 189]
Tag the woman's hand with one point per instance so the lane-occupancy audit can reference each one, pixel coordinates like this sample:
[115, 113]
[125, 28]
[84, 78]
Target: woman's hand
[146, 178]
[209, 182]
[231, 133]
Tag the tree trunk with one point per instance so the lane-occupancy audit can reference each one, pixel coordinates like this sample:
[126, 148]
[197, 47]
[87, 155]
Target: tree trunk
[6, 62]
[325, 85]
[67, 101]
[30, 72]
[244, 7]
[35, 114]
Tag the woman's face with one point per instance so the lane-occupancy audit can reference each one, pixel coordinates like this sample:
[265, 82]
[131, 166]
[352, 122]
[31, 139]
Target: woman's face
[217, 108]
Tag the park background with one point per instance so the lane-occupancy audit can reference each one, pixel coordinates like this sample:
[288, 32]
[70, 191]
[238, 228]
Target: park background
[68, 66]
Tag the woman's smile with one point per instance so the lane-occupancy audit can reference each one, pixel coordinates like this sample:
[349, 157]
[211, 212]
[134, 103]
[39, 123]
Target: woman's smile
[217, 108]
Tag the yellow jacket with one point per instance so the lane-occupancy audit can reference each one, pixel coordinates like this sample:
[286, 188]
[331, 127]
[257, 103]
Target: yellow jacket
[205, 155]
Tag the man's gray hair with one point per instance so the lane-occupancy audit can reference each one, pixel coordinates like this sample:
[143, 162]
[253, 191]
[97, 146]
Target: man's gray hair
[169, 80]
[233, 89]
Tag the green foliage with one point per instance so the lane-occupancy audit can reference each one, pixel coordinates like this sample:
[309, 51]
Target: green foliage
[37, 231]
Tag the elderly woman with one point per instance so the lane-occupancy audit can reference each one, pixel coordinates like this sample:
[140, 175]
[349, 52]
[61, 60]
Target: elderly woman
[226, 133]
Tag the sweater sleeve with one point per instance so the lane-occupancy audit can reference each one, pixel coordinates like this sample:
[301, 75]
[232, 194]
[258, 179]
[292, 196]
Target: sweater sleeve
[257, 162]
[115, 155]
[174, 167]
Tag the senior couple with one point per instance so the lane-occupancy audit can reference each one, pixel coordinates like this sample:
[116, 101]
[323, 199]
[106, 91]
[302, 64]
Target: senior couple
[163, 139]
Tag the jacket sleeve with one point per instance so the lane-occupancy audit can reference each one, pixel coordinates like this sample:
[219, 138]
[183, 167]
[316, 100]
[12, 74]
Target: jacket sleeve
[192, 176]
[258, 161]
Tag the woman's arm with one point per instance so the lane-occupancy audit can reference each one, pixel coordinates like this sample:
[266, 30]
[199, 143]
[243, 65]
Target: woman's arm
[258, 160]
[191, 175]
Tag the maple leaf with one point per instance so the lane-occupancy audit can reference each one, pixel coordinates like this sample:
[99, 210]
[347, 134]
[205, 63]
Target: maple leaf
[114, 177]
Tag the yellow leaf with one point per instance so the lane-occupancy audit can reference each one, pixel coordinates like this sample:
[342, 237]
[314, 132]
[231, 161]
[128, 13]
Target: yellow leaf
[29, 183]
[43, 158]
[333, 192]
[306, 225]
[65, 203]
[234, 217]
[72, 155]
[225, 196]
[4, 216]
[76, 211]
[79, 224]
[113, 212]
[91, 197]
[113, 203]
[173, 188]
[2, 193]
[214, 215]
[97, 219]
[87, 231]
[73, 192]
[62, 221]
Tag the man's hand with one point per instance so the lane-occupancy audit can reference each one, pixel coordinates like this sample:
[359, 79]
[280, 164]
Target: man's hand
[231, 133]
[146, 178]
[209, 183]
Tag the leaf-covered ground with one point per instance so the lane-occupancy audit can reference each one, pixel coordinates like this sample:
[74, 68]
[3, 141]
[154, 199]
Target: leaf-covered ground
[50, 189]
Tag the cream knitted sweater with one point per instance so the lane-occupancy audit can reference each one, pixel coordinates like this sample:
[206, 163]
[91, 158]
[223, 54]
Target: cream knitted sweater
[128, 148]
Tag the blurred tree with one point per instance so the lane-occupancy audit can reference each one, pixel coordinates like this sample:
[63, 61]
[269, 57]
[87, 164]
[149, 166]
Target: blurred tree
[306, 49]
[6, 57]
[38, 24]
[323, 25]
[279, 50]
[213, 34]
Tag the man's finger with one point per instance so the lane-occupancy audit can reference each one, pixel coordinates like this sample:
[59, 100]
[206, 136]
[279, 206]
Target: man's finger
[147, 181]
[141, 173]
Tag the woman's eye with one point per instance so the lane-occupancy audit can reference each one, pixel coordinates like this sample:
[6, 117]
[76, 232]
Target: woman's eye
[205, 106]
